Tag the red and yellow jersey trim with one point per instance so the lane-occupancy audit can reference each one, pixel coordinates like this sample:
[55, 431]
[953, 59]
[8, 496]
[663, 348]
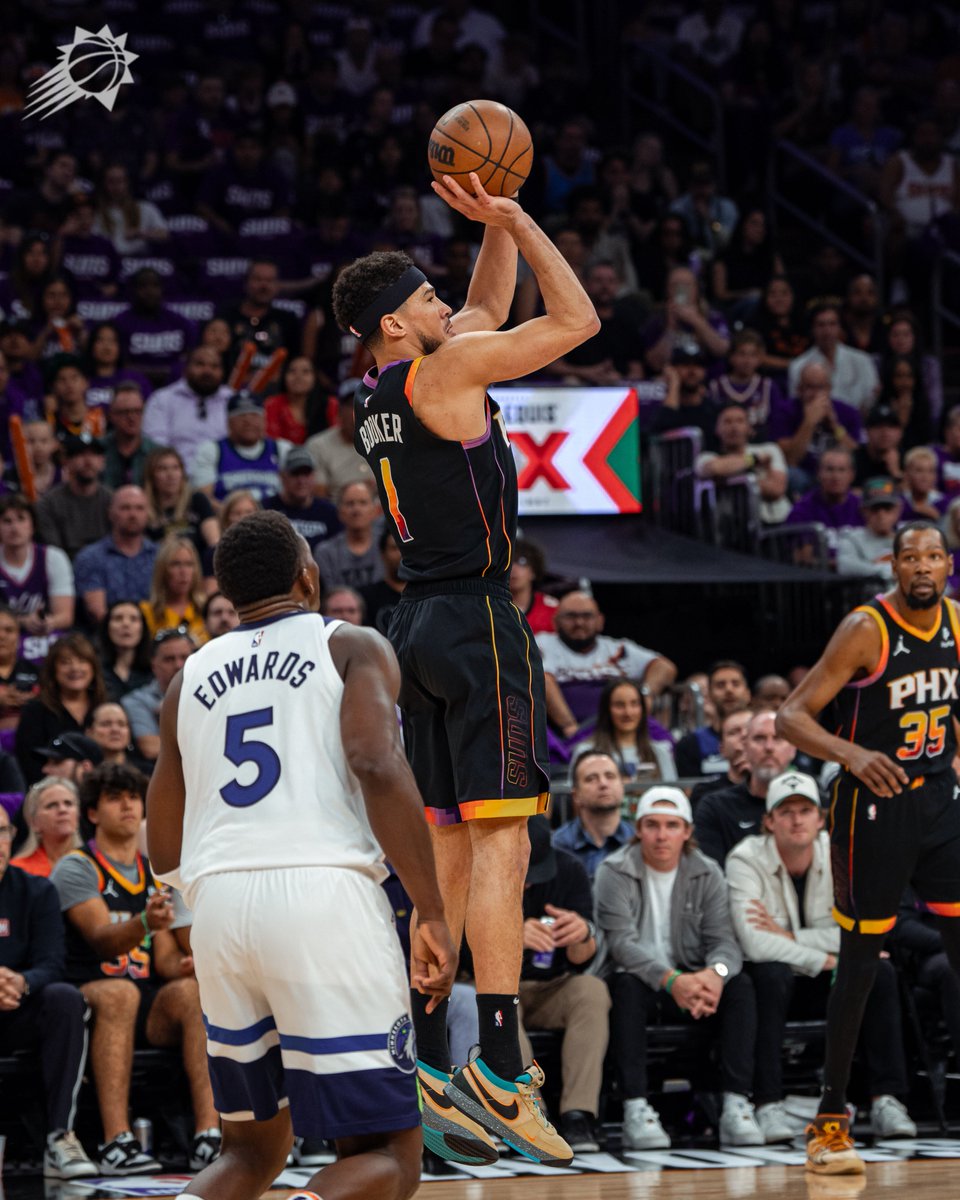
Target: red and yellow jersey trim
[884, 650]
[411, 376]
[871, 927]
[943, 909]
[923, 634]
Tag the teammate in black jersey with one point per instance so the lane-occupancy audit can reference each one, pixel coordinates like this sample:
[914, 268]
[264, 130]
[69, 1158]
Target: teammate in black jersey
[474, 715]
[893, 666]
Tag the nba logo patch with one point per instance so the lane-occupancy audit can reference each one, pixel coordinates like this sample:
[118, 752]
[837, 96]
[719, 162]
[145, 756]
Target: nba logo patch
[498, 1019]
[872, 813]
[257, 639]
[4, 927]
[402, 1045]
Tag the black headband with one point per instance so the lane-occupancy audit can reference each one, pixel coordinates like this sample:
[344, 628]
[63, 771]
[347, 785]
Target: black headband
[389, 299]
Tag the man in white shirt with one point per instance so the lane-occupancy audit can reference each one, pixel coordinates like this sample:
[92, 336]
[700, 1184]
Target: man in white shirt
[853, 376]
[868, 552]
[578, 660]
[781, 901]
[737, 457]
[191, 411]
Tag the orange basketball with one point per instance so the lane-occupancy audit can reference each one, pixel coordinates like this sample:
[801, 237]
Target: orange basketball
[483, 136]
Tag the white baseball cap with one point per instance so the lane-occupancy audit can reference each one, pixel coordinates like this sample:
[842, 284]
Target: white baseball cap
[653, 797]
[790, 784]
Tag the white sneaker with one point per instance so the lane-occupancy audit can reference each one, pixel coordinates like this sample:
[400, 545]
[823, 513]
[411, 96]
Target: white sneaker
[65, 1158]
[888, 1118]
[775, 1123]
[738, 1125]
[641, 1127]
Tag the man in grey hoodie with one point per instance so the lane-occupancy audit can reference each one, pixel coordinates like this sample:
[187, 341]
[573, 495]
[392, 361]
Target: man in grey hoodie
[672, 953]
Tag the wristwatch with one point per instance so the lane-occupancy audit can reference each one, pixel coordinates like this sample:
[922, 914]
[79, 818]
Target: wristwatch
[721, 969]
[591, 932]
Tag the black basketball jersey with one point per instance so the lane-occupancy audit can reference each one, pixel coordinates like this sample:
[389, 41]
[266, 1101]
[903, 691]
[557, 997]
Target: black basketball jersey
[124, 900]
[905, 707]
[452, 505]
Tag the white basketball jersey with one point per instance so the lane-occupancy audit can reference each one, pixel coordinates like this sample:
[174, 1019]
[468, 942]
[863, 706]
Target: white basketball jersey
[267, 782]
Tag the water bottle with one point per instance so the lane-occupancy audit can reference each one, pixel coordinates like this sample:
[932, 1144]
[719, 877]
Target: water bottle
[544, 958]
[143, 1132]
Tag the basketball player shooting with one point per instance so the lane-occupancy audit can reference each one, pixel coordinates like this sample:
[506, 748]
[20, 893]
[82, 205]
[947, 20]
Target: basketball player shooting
[280, 777]
[471, 694]
[892, 667]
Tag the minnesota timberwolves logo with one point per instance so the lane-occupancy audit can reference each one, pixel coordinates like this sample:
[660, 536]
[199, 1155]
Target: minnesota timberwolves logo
[401, 1044]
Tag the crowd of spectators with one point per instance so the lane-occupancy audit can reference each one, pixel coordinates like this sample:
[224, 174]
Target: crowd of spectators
[143, 248]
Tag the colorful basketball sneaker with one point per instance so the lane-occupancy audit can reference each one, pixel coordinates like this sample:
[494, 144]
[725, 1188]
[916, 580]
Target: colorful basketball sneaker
[510, 1110]
[448, 1132]
[830, 1149]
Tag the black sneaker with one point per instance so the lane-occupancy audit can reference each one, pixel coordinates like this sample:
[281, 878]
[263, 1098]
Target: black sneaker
[576, 1129]
[205, 1148]
[312, 1152]
[125, 1156]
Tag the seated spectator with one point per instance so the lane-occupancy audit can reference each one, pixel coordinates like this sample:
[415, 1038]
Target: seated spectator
[710, 218]
[868, 552]
[246, 458]
[853, 376]
[351, 558]
[71, 756]
[105, 366]
[174, 507]
[578, 660]
[679, 970]
[597, 827]
[739, 273]
[170, 650]
[154, 337]
[89, 258]
[109, 727]
[725, 817]
[125, 447]
[736, 455]
[814, 422]
[24, 373]
[242, 188]
[770, 693]
[236, 506]
[623, 731]
[831, 502]
[37, 1010]
[71, 685]
[191, 411]
[124, 958]
[61, 329]
[743, 384]
[313, 518]
[42, 448]
[880, 453]
[19, 679]
[863, 327]
[559, 943]
[686, 321]
[118, 566]
[602, 234]
[917, 944]
[903, 341]
[46, 207]
[36, 582]
[338, 462]
[176, 595]
[133, 226]
[613, 355]
[781, 900]
[668, 246]
[257, 319]
[219, 616]
[862, 146]
[382, 597]
[902, 390]
[51, 813]
[295, 411]
[779, 324]
[74, 513]
[733, 741]
[687, 401]
[124, 646]
[344, 604]
[72, 416]
[921, 500]
[698, 752]
[527, 568]
[948, 454]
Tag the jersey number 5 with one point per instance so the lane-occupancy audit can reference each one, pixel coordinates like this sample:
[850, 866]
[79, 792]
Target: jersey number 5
[240, 751]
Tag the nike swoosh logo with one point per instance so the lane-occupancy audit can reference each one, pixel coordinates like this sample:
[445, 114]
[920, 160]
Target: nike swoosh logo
[439, 1099]
[746, 824]
[509, 1112]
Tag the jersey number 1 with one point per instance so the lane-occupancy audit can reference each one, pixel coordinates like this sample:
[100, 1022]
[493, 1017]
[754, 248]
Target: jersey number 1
[240, 751]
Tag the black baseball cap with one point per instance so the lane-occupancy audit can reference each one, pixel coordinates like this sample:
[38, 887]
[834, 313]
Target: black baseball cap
[882, 414]
[72, 745]
[80, 443]
[688, 356]
[543, 857]
[243, 402]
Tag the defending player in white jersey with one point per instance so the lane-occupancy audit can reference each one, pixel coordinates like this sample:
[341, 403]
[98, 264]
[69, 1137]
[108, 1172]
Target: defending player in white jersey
[280, 777]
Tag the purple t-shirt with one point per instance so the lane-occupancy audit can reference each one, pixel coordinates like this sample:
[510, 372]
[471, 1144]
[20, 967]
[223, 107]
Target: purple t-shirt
[92, 261]
[236, 195]
[102, 387]
[155, 341]
[856, 151]
[786, 419]
[814, 507]
[948, 480]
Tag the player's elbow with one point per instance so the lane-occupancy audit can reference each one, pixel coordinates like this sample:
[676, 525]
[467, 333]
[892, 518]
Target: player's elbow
[783, 723]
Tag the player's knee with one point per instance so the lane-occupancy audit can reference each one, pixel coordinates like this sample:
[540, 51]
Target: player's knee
[114, 999]
[182, 997]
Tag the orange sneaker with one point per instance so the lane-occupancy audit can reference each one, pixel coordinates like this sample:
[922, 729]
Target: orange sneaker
[830, 1149]
[510, 1110]
[447, 1131]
